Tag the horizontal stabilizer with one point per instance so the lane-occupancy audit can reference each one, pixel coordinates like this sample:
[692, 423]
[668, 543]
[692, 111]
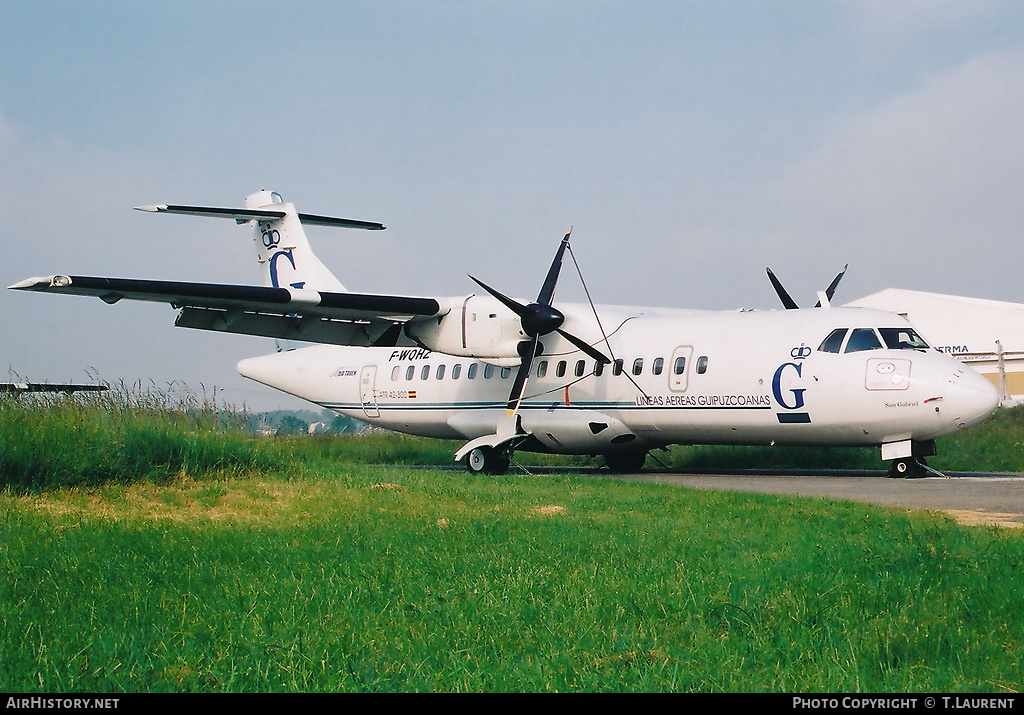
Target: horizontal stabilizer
[313, 220]
[246, 215]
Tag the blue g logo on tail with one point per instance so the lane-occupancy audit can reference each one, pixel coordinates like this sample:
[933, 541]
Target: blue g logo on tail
[273, 268]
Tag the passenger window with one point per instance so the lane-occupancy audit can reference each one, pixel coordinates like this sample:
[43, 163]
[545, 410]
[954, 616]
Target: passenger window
[638, 366]
[395, 373]
[680, 366]
[702, 364]
[863, 339]
[560, 368]
[505, 372]
[580, 367]
[658, 366]
[542, 368]
[410, 371]
[440, 372]
[617, 367]
[456, 371]
[471, 372]
[425, 372]
[833, 342]
[488, 372]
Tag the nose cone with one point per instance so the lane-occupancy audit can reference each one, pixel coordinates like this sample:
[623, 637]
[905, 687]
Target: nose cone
[260, 369]
[971, 398]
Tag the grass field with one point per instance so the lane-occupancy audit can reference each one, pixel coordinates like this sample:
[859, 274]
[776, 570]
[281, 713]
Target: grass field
[317, 571]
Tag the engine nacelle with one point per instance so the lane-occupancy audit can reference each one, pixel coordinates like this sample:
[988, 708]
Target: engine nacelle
[480, 327]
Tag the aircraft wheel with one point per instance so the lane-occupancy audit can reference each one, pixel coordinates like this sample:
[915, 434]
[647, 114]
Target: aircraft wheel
[907, 468]
[622, 462]
[487, 460]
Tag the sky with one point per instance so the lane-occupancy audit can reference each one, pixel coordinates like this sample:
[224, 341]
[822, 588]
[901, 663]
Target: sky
[690, 144]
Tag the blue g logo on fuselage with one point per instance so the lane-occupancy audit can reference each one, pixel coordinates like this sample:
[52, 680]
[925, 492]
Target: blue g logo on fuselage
[798, 394]
[795, 399]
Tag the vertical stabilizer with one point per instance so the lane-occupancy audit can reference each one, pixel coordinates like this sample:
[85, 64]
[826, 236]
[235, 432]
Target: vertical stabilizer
[282, 249]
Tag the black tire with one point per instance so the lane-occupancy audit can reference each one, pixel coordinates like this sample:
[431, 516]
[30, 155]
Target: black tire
[907, 468]
[623, 462]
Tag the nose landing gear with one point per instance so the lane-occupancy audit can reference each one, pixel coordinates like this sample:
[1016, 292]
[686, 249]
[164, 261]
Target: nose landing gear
[908, 459]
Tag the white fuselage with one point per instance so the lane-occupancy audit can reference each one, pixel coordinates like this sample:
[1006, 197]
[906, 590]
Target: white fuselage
[704, 378]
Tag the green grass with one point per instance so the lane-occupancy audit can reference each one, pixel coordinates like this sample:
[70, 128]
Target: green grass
[382, 579]
[49, 441]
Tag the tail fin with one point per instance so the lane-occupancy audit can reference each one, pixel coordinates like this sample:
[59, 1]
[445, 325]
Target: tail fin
[282, 249]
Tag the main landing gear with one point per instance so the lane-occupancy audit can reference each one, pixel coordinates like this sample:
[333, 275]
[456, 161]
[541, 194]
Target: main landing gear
[625, 462]
[496, 461]
[489, 460]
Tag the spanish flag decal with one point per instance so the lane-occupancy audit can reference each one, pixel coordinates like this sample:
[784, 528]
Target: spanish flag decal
[412, 394]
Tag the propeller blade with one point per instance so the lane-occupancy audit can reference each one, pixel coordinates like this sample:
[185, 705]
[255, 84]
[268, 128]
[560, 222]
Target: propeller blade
[515, 397]
[788, 302]
[831, 290]
[547, 291]
[515, 306]
[585, 347]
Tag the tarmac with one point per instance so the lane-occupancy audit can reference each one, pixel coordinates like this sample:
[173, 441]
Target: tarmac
[971, 497]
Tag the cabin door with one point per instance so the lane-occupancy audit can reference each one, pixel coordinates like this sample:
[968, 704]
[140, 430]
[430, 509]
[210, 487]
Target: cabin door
[367, 393]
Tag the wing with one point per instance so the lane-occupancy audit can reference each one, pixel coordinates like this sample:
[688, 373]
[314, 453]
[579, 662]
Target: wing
[285, 313]
[19, 387]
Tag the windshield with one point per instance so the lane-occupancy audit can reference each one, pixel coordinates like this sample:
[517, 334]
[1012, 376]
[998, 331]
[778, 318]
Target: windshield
[862, 339]
[902, 339]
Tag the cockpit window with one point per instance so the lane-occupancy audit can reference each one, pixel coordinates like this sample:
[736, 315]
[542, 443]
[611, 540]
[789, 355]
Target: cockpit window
[902, 339]
[863, 339]
[833, 342]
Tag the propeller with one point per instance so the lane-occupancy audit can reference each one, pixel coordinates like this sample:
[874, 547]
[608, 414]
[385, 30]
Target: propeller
[831, 290]
[789, 303]
[538, 319]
